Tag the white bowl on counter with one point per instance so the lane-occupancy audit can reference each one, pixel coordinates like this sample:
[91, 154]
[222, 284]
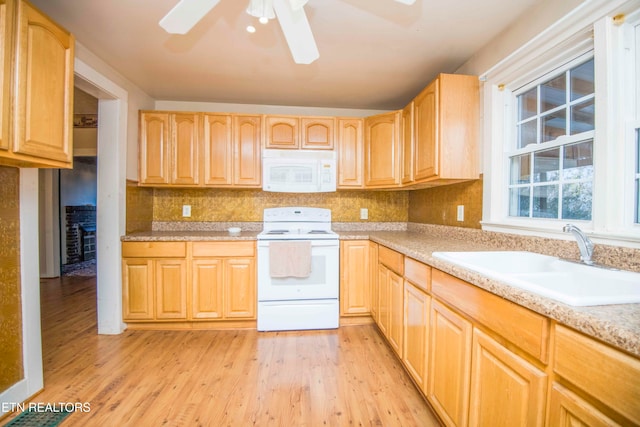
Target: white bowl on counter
[234, 231]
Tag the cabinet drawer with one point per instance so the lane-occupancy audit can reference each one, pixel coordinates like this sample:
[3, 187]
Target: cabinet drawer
[522, 327]
[417, 273]
[607, 374]
[154, 249]
[223, 249]
[392, 259]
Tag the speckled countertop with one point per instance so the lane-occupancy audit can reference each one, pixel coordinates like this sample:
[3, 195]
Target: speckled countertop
[618, 325]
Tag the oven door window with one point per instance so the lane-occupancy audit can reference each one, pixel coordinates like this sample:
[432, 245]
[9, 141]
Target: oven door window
[321, 283]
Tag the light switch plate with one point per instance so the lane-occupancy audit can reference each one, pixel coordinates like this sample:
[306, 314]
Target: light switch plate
[186, 210]
[460, 216]
[364, 213]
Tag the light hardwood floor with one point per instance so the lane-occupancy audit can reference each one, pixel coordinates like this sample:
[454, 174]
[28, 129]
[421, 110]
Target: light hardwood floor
[218, 378]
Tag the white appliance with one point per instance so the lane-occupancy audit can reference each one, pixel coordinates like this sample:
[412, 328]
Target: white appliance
[299, 303]
[298, 171]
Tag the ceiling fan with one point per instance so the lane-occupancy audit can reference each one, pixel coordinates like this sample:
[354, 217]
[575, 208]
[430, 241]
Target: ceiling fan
[293, 21]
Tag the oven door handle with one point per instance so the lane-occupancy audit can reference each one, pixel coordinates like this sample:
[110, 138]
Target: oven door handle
[314, 243]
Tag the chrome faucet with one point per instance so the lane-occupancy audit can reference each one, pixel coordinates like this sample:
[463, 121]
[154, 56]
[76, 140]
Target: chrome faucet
[584, 243]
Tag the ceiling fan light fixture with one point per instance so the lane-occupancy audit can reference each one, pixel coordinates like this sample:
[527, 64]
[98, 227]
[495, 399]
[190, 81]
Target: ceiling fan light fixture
[251, 29]
[263, 20]
[261, 9]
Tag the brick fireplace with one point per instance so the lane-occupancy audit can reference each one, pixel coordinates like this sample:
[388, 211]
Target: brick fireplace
[80, 233]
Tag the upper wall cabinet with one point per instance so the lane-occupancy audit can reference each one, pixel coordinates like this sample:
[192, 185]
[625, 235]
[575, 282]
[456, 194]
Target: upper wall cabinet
[445, 130]
[350, 153]
[169, 148]
[36, 75]
[382, 150]
[194, 149]
[292, 132]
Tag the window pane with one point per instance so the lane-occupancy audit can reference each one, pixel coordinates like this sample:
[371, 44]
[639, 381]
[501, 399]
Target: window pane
[578, 161]
[546, 165]
[521, 169]
[553, 93]
[527, 133]
[519, 201]
[528, 104]
[582, 80]
[582, 117]
[545, 201]
[576, 200]
[554, 125]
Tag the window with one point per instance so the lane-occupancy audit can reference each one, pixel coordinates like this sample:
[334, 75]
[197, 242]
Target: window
[551, 168]
[562, 129]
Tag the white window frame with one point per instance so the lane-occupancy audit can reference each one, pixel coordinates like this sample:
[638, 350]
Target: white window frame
[589, 27]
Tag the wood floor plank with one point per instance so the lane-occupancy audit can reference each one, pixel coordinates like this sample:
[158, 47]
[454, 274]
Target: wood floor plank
[347, 376]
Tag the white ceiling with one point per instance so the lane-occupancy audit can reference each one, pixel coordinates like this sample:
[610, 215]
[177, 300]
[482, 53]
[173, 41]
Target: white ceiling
[374, 54]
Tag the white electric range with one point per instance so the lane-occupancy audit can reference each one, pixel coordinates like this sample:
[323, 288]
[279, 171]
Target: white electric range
[300, 301]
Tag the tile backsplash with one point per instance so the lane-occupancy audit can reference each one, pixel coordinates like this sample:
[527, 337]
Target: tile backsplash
[221, 205]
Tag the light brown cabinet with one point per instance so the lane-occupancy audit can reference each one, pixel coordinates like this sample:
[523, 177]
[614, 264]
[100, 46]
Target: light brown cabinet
[417, 305]
[36, 106]
[169, 148]
[446, 130]
[188, 282]
[355, 291]
[568, 409]
[391, 296]
[350, 147]
[282, 132]
[294, 132]
[406, 138]
[382, 150]
[449, 364]
[317, 133]
[218, 149]
[223, 280]
[154, 281]
[247, 151]
[506, 390]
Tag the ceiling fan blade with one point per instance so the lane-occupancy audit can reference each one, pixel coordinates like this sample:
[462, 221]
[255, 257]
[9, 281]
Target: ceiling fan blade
[409, 2]
[185, 15]
[297, 31]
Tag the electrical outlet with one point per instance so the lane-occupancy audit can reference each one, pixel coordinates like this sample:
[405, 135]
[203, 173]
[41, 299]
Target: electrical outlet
[364, 213]
[186, 210]
[460, 216]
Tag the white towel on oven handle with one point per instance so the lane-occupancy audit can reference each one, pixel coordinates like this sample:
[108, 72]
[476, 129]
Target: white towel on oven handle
[290, 258]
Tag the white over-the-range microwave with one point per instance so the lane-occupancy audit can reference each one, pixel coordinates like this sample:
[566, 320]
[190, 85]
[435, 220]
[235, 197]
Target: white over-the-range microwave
[298, 171]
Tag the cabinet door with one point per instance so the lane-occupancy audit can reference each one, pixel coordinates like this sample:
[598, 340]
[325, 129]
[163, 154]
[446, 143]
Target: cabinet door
[240, 288]
[247, 158]
[396, 312]
[506, 390]
[382, 150]
[137, 289]
[373, 279]
[171, 289]
[417, 305]
[406, 138]
[350, 153]
[449, 364]
[6, 49]
[384, 304]
[282, 132]
[568, 410]
[44, 78]
[154, 148]
[207, 286]
[426, 144]
[185, 147]
[317, 133]
[218, 151]
[355, 295]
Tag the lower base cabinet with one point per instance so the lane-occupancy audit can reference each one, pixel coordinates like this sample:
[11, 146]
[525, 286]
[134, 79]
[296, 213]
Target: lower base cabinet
[567, 409]
[449, 364]
[188, 281]
[417, 305]
[506, 390]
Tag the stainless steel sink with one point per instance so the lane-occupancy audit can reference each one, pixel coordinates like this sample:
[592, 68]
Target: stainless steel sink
[561, 280]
